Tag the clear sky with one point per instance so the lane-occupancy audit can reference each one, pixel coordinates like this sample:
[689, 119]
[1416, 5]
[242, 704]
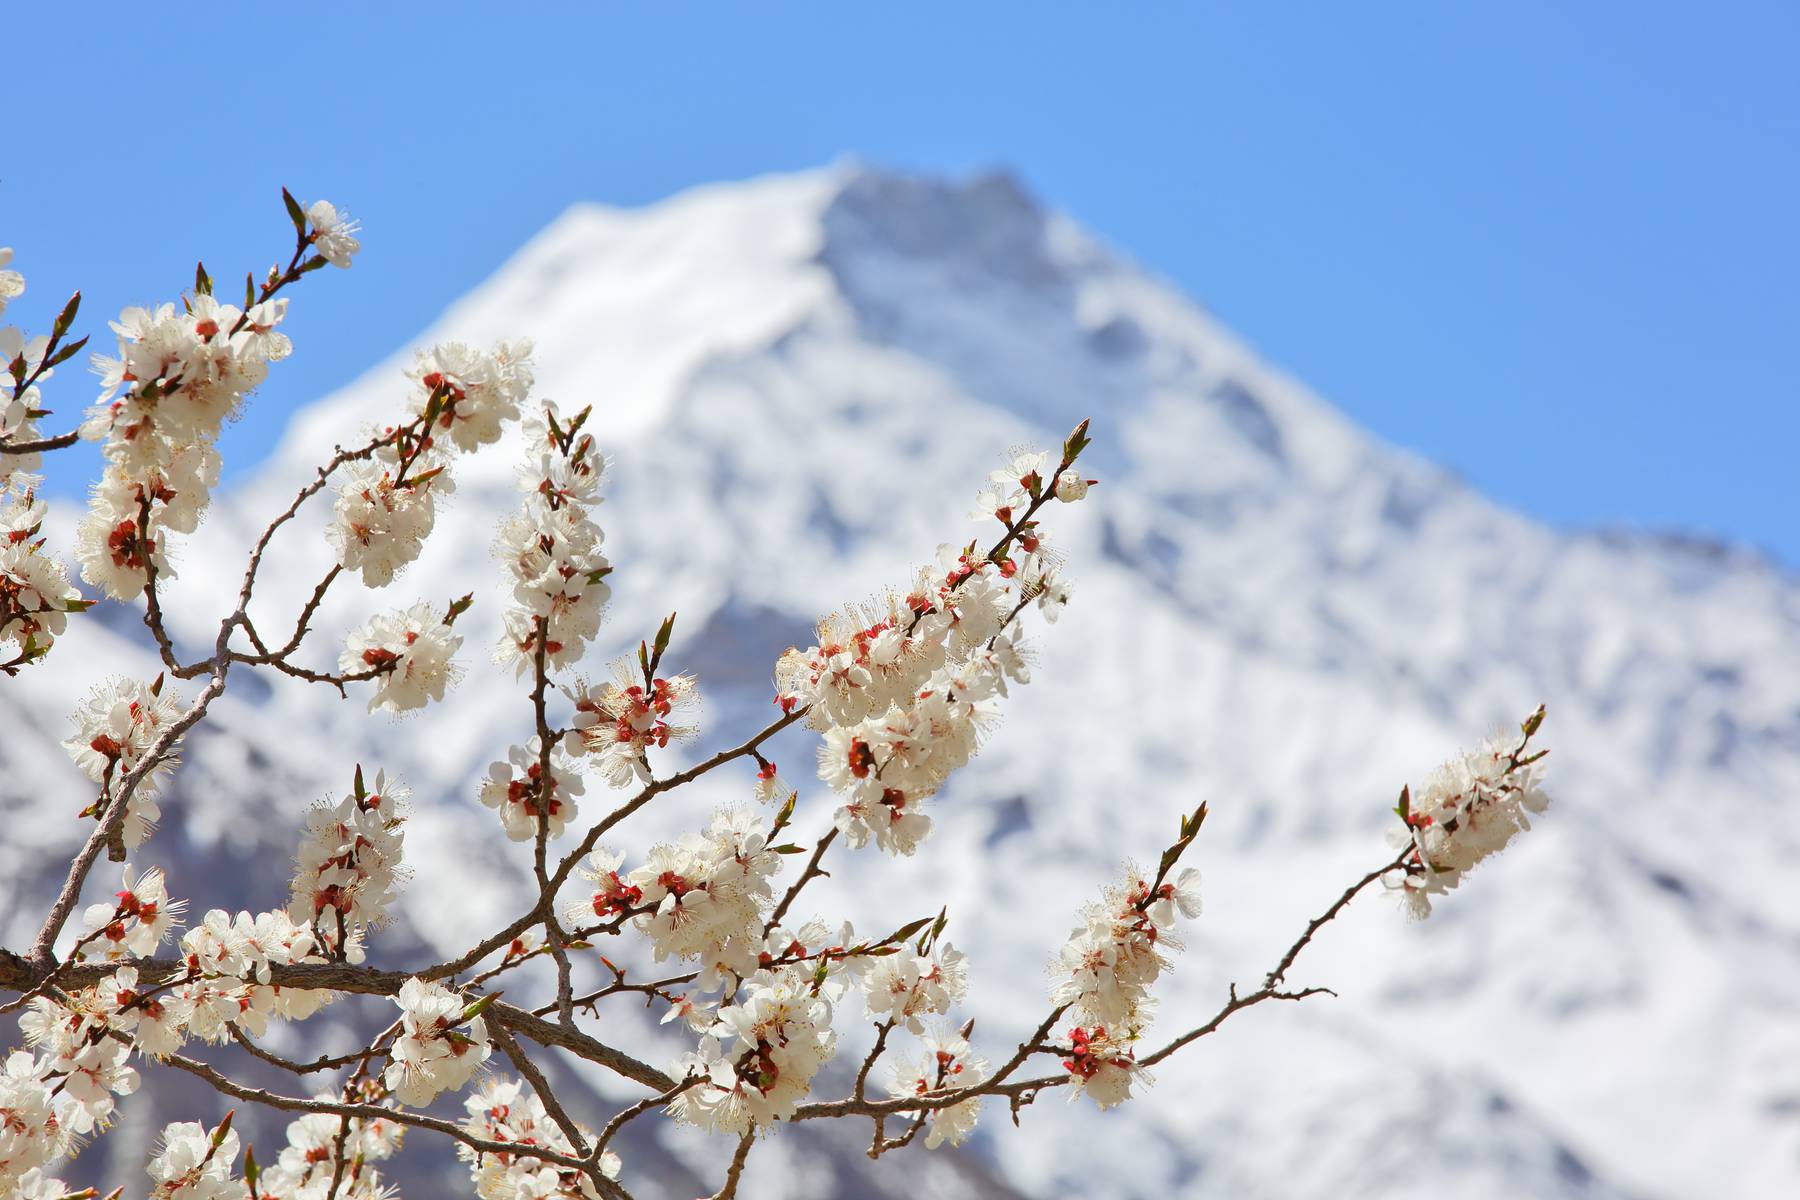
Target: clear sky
[1552, 246]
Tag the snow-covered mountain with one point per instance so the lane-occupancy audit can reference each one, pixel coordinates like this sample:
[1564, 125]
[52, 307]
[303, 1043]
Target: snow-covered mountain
[800, 382]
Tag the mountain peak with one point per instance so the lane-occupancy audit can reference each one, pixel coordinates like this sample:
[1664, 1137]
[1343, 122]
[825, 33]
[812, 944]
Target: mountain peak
[986, 223]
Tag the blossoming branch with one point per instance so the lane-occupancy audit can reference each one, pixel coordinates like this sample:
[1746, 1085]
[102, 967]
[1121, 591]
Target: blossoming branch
[900, 691]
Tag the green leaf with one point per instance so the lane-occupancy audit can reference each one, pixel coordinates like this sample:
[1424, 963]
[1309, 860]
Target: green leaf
[295, 213]
[202, 281]
[67, 352]
[664, 634]
[788, 848]
[1076, 442]
[359, 790]
[910, 928]
[78, 605]
[66, 317]
[458, 607]
[480, 1006]
[1404, 808]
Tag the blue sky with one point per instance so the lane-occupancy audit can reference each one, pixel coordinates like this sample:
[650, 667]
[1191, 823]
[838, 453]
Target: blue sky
[1551, 246]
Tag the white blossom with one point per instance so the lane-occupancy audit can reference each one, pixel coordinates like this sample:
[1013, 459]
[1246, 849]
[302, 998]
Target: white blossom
[709, 891]
[31, 1134]
[348, 867]
[333, 233]
[525, 797]
[437, 1050]
[12, 284]
[156, 1022]
[134, 924]
[617, 723]
[1102, 1066]
[502, 1111]
[35, 592]
[1469, 810]
[411, 648]
[948, 1065]
[551, 548]
[191, 1165]
[308, 1164]
[906, 986]
[758, 1062]
[478, 391]
[1070, 486]
[381, 520]
[115, 728]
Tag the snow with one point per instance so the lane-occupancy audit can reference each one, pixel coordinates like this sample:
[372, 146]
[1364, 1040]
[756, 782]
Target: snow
[800, 381]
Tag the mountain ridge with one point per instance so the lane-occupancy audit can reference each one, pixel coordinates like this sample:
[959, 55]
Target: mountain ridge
[802, 381]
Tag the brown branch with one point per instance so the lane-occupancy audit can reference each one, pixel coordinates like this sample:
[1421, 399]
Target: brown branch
[364, 1112]
[735, 1171]
[567, 865]
[509, 1045]
[631, 1113]
[812, 871]
[61, 441]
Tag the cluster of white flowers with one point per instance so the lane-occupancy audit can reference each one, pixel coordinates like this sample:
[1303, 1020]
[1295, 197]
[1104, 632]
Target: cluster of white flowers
[1102, 1066]
[20, 359]
[35, 593]
[758, 1060]
[903, 690]
[906, 985]
[885, 767]
[481, 390]
[115, 728]
[134, 925]
[382, 517]
[502, 1111]
[195, 1163]
[528, 798]
[703, 897]
[1470, 809]
[410, 649]
[226, 985]
[229, 959]
[551, 546]
[85, 1068]
[348, 868]
[32, 1133]
[180, 373]
[1104, 972]
[439, 1048]
[616, 723]
[387, 505]
[948, 1065]
[35, 589]
[309, 1163]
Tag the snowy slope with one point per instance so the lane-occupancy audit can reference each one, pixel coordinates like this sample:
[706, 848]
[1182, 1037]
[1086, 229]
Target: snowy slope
[800, 381]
